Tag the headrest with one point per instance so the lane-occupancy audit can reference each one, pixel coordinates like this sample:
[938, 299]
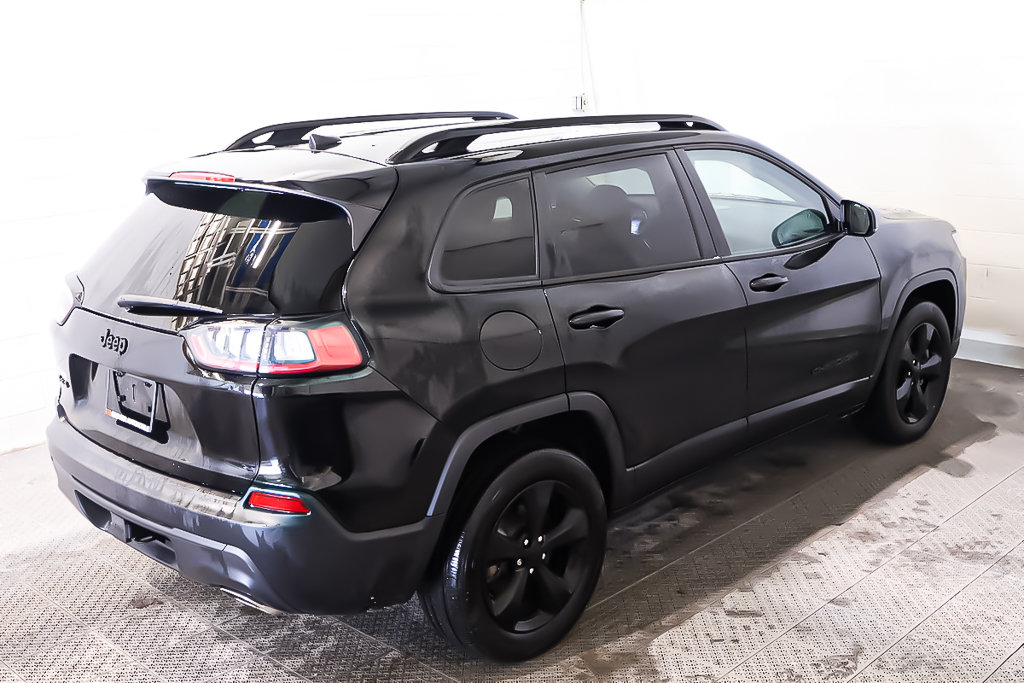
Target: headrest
[609, 201]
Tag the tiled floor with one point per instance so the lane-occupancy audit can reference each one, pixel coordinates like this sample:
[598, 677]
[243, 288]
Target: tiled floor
[818, 557]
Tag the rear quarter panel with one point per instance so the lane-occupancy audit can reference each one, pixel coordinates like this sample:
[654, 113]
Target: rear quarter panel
[428, 342]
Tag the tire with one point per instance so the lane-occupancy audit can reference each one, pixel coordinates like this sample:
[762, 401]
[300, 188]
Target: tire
[516, 577]
[912, 385]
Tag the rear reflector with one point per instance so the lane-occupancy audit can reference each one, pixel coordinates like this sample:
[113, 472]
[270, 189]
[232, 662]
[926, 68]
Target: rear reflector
[203, 176]
[277, 502]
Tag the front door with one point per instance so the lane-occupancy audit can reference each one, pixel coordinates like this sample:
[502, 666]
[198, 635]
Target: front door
[813, 309]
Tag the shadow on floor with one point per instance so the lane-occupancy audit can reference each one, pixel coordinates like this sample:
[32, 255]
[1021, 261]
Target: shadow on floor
[679, 551]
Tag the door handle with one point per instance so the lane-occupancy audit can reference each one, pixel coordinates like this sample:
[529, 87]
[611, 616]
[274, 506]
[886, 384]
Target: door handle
[597, 316]
[768, 283]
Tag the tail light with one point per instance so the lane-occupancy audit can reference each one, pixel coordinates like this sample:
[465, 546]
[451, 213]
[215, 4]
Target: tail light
[277, 349]
[230, 345]
[298, 349]
[63, 306]
[67, 297]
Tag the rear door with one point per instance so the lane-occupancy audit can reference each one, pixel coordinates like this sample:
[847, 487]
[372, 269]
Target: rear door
[646, 317]
[129, 385]
[813, 309]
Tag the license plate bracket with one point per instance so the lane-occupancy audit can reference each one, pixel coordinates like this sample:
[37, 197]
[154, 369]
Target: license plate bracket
[132, 400]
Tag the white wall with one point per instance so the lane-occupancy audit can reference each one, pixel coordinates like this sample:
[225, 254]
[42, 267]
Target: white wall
[897, 103]
[918, 104]
[94, 93]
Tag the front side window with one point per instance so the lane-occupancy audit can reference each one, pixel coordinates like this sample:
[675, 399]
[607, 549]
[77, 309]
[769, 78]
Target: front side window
[616, 215]
[760, 206]
[489, 235]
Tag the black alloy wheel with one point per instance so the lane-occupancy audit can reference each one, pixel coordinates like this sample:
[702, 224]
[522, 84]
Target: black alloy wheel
[921, 363]
[909, 392]
[521, 568]
[535, 557]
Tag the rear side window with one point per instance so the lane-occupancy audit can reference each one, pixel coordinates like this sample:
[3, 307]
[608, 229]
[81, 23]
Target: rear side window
[489, 235]
[616, 215]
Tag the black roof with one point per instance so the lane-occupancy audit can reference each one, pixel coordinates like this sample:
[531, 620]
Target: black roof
[293, 133]
[402, 138]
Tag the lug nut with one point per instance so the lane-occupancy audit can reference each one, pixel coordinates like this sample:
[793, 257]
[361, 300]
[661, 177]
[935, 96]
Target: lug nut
[526, 542]
[531, 570]
[540, 539]
[543, 556]
[519, 562]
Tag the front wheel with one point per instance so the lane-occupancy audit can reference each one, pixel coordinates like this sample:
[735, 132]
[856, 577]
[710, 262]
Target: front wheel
[520, 572]
[912, 384]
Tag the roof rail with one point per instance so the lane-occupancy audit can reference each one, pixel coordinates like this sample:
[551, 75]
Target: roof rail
[454, 141]
[284, 134]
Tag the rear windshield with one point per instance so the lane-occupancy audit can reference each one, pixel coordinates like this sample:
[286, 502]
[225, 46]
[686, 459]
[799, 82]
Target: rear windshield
[242, 251]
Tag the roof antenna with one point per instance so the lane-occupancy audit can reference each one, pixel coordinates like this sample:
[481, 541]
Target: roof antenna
[322, 142]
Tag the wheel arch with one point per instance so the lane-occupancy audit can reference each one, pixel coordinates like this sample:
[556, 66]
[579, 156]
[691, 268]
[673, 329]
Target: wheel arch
[937, 286]
[580, 422]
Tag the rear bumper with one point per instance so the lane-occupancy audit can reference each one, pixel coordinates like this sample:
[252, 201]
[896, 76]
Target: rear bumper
[293, 563]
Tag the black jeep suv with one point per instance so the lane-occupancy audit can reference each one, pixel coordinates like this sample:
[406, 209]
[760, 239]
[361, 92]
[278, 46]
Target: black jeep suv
[433, 352]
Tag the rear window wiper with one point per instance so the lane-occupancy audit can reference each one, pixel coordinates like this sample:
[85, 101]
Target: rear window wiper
[155, 305]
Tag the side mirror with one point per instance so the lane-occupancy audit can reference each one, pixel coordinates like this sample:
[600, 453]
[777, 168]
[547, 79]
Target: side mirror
[858, 219]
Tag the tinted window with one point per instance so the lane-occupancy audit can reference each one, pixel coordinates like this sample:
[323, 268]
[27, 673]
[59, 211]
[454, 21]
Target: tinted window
[617, 215]
[489, 234]
[759, 205]
[244, 252]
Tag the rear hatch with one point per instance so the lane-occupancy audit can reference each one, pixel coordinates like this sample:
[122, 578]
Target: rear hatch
[248, 250]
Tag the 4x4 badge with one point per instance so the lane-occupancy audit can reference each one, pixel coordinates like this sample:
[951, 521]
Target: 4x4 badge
[114, 343]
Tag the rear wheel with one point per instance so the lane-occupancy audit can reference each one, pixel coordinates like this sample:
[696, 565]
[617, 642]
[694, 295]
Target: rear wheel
[912, 385]
[517, 576]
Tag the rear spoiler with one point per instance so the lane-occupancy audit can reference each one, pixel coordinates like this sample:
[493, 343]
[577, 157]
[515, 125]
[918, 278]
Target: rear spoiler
[201, 191]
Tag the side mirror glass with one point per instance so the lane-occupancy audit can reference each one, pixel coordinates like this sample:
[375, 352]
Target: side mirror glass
[799, 227]
[858, 219]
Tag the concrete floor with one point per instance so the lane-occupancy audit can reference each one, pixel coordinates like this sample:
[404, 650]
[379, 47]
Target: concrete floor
[820, 556]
